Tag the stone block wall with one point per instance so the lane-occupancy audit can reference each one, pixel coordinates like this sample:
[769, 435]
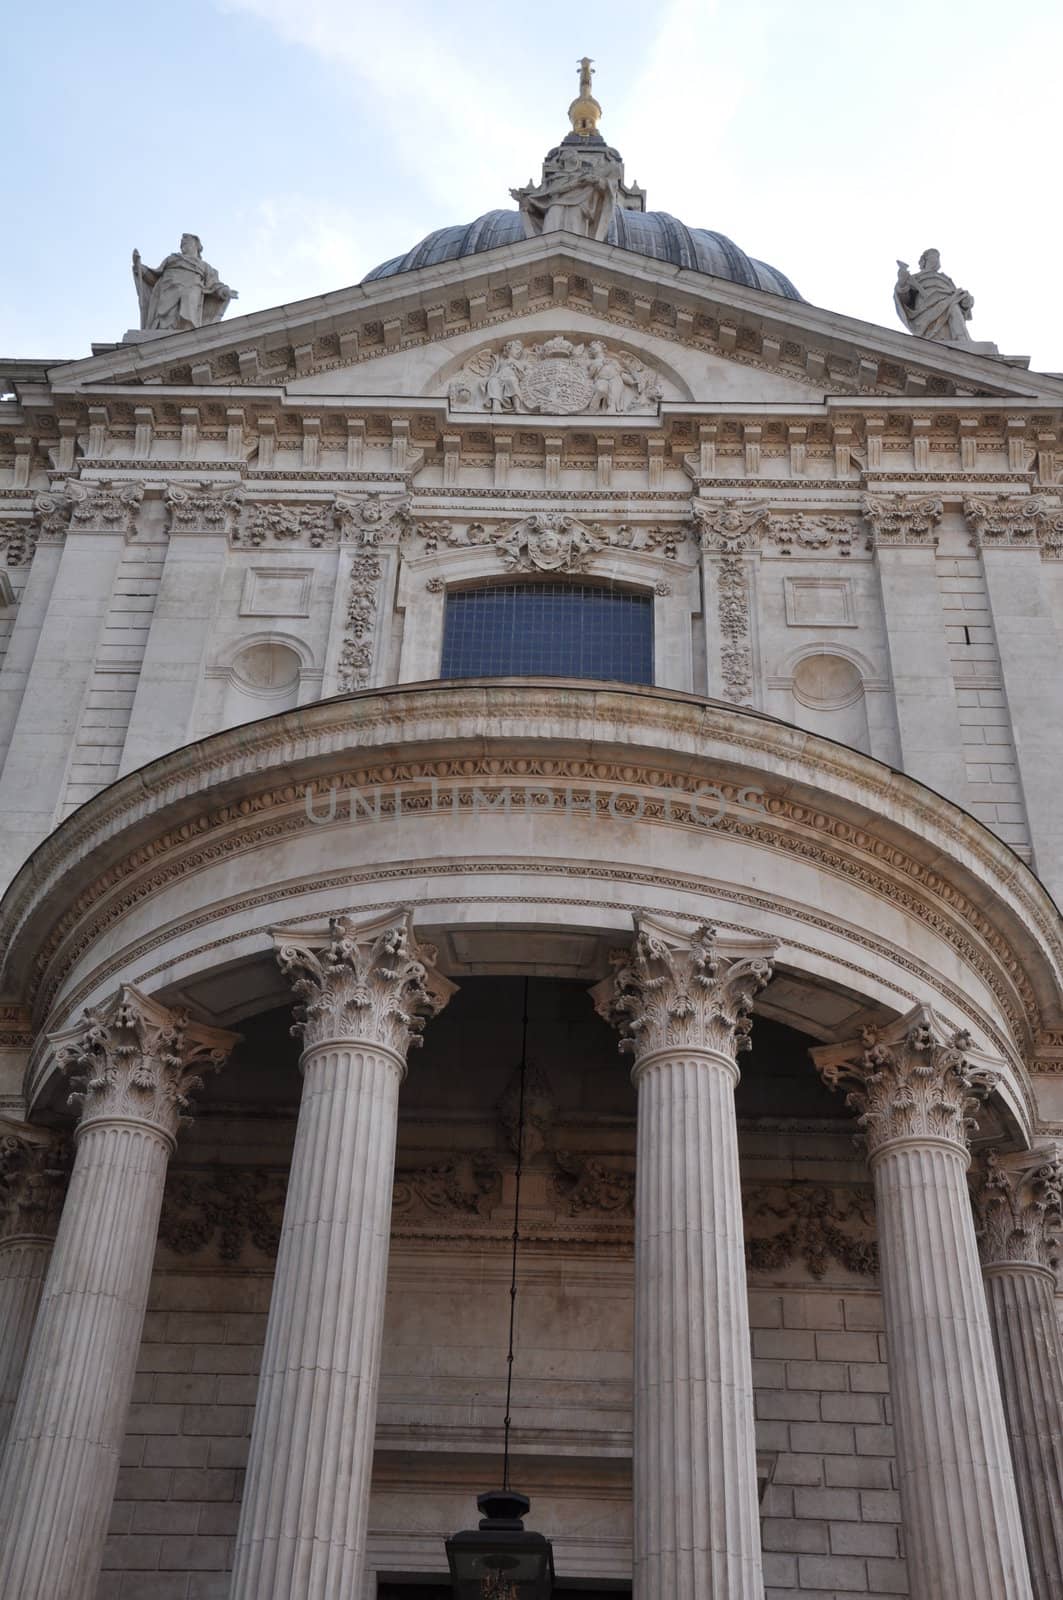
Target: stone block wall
[831, 1512]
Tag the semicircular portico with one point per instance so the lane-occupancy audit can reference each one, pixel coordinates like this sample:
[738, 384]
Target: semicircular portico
[536, 811]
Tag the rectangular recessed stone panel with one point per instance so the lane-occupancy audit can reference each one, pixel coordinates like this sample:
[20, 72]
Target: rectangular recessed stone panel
[276, 592]
[819, 603]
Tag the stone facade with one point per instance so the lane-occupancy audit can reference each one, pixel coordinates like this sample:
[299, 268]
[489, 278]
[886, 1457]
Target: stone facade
[752, 1357]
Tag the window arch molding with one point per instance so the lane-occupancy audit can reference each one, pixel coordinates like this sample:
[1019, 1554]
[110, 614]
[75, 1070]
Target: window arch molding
[426, 580]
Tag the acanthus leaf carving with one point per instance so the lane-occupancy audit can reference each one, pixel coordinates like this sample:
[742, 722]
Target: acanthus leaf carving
[911, 1081]
[132, 1059]
[556, 378]
[1019, 1208]
[728, 527]
[902, 518]
[52, 511]
[203, 507]
[549, 541]
[370, 982]
[674, 990]
[104, 506]
[1008, 521]
[34, 1170]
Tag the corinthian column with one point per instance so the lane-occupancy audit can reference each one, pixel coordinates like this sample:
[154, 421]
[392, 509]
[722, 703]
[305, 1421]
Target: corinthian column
[683, 1008]
[136, 1064]
[915, 1087]
[1019, 1208]
[34, 1166]
[367, 990]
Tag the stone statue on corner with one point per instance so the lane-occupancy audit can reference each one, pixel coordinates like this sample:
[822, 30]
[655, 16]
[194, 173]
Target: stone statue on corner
[184, 292]
[932, 307]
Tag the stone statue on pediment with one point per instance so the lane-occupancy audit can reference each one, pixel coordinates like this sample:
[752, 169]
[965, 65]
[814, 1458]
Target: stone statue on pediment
[931, 306]
[183, 292]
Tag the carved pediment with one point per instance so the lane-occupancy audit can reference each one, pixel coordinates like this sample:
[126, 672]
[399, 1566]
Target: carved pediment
[303, 347]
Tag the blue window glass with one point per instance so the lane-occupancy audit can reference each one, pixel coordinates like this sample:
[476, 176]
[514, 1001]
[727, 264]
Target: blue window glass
[567, 630]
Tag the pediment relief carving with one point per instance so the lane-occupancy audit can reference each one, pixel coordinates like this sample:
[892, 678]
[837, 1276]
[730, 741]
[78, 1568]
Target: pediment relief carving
[557, 377]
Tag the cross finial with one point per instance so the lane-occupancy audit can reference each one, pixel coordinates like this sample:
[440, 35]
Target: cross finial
[585, 111]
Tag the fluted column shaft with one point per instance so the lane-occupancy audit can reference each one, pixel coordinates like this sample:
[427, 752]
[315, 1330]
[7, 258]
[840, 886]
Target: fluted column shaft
[915, 1087]
[34, 1166]
[23, 1263]
[61, 1460]
[1030, 1361]
[307, 1488]
[302, 1530]
[683, 1009]
[962, 1533]
[695, 1487]
[1019, 1210]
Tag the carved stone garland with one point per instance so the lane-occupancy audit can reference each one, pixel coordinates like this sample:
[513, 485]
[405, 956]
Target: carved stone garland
[365, 522]
[728, 530]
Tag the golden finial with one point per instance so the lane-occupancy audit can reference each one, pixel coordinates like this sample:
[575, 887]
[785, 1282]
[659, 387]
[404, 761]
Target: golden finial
[584, 111]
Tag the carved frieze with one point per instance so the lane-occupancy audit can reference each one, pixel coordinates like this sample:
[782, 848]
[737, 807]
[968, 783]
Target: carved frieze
[556, 377]
[369, 983]
[796, 533]
[1019, 1209]
[548, 541]
[462, 1185]
[902, 518]
[583, 1184]
[815, 1224]
[313, 525]
[134, 1060]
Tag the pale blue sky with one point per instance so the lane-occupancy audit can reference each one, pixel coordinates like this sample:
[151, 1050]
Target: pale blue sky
[306, 140]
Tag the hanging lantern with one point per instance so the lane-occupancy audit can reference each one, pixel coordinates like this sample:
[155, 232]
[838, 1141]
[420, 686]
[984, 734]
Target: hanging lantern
[499, 1560]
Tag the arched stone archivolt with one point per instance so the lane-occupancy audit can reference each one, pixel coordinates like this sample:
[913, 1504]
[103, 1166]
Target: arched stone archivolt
[526, 802]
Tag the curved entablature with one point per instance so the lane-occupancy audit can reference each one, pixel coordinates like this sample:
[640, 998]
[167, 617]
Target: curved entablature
[539, 804]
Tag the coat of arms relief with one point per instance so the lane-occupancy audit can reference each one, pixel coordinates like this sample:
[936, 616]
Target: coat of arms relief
[556, 378]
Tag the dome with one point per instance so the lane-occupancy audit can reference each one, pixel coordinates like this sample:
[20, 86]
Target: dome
[646, 233]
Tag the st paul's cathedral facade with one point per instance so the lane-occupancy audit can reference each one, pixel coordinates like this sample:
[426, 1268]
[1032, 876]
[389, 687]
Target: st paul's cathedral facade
[572, 654]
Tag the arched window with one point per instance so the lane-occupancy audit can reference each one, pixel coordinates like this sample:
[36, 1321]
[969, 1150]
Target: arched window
[548, 629]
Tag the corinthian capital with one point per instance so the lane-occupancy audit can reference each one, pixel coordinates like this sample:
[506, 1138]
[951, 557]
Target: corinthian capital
[1019, 1208]
[902, 518]
[132, 1059]
[910, 1081]
[676, 991]
[34, 1167]
[367, 982]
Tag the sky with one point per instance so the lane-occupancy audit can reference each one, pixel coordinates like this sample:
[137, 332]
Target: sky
[307, 140]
